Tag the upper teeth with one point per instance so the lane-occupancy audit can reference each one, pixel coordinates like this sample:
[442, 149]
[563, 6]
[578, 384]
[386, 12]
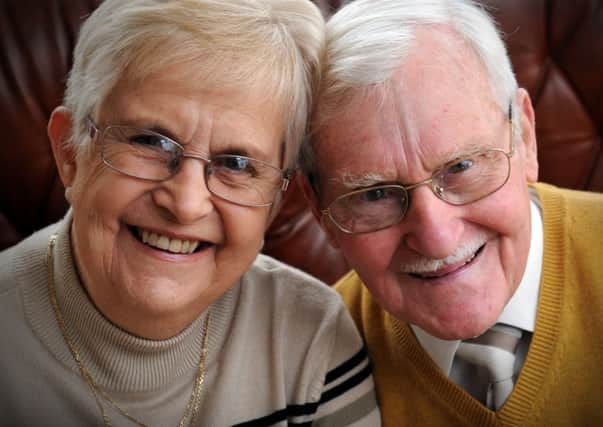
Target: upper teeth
[167, 244]
[469, 260]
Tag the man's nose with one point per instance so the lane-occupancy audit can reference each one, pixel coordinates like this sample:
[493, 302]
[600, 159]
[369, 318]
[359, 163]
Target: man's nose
[185, 195]
[431, 226]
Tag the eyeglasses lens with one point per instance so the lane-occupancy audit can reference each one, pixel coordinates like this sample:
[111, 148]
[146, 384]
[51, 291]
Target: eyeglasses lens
[370, 209]
[151, 156]
[460, 182]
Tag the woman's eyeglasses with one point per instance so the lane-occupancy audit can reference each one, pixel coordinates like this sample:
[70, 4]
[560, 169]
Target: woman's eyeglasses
[150, 156]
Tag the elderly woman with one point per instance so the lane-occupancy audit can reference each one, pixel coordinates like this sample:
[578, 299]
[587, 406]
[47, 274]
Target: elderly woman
[148, 304]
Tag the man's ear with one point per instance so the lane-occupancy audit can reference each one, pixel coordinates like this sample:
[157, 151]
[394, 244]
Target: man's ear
[315, 204]
[60, 127]
[528, 134]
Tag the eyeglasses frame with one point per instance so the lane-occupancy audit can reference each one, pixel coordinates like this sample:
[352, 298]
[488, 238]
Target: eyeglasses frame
[96, 134]
[437, 190]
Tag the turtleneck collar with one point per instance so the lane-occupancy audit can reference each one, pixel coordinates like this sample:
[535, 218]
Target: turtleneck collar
[118, 361]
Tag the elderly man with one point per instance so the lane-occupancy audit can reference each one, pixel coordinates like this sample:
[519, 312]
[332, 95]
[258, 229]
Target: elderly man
[478, 290]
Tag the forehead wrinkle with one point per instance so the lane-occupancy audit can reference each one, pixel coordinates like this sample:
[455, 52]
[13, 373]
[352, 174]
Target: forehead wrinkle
[413, 150]
[454, 58]
[474, 144]
[400, 132]
[131, 103]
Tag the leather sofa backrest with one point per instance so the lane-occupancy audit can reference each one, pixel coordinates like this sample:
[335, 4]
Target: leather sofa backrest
[556, 48]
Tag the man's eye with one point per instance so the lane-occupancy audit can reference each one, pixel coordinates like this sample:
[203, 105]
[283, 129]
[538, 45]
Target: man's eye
[460, 166]
[374, 195]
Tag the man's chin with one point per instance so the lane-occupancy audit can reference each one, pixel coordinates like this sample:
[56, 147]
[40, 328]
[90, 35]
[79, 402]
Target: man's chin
[459, 329]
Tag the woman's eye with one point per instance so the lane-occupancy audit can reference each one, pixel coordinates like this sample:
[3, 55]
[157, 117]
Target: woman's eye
[460, 166]
[236, 164]
[150, 141]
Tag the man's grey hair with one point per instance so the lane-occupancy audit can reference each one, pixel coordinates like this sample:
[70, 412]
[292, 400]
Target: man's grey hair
[367, 41]
[277, 44]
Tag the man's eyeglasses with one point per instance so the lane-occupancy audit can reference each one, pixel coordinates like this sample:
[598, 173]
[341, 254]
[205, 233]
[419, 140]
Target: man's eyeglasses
[461, 181]
[150, 156]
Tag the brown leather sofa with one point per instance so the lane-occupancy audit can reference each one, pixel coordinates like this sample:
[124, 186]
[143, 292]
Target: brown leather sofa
[556, 47]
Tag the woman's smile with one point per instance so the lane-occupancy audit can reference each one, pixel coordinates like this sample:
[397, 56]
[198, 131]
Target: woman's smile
[167, 247]
[167, 243]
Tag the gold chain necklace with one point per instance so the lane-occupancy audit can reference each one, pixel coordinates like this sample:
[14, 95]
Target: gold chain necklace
[192, 406]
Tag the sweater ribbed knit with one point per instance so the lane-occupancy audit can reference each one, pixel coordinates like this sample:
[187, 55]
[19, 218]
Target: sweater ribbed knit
[282, 348]
[561, 382]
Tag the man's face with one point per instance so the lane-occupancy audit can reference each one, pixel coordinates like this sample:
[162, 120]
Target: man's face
[438, 107]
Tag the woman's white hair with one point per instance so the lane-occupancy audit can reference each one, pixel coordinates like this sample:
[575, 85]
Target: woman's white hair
[277, 44]
[368, 39]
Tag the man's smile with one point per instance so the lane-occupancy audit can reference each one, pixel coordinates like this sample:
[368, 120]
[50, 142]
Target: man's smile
[448, 268]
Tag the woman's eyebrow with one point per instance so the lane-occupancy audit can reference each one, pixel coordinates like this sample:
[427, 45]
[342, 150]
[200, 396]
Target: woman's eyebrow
[153, 124]
[163, 131]
[240, 148]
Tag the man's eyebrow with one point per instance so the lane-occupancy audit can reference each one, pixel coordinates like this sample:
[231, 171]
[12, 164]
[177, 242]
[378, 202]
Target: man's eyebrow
[370, 179]
[469, 148]
[367, 179]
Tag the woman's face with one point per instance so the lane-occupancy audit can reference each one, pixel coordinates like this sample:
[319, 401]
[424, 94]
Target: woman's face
[146, 290]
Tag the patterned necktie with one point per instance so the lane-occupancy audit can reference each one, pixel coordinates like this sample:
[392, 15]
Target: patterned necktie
[494, 353]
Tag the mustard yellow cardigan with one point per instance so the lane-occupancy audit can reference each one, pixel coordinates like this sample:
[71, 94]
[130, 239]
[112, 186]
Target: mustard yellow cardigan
[561, 383]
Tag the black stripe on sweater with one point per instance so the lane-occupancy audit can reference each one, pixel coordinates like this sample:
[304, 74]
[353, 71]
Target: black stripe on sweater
[310, 408]
[282, 414]
[346, 366]
[348, 384]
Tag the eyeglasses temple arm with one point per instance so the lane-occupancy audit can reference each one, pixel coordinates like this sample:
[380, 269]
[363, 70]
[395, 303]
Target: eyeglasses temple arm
[512, 133]
[285, 184]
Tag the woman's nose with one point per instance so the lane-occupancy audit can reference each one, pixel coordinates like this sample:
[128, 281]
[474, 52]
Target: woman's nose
[431, 226]
[185, 195]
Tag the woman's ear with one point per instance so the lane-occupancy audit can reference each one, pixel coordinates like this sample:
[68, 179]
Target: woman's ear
[60, 128]
[314, 203]
[528, 134]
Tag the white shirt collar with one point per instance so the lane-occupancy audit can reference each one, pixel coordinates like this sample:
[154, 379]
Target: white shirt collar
[520, 311]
